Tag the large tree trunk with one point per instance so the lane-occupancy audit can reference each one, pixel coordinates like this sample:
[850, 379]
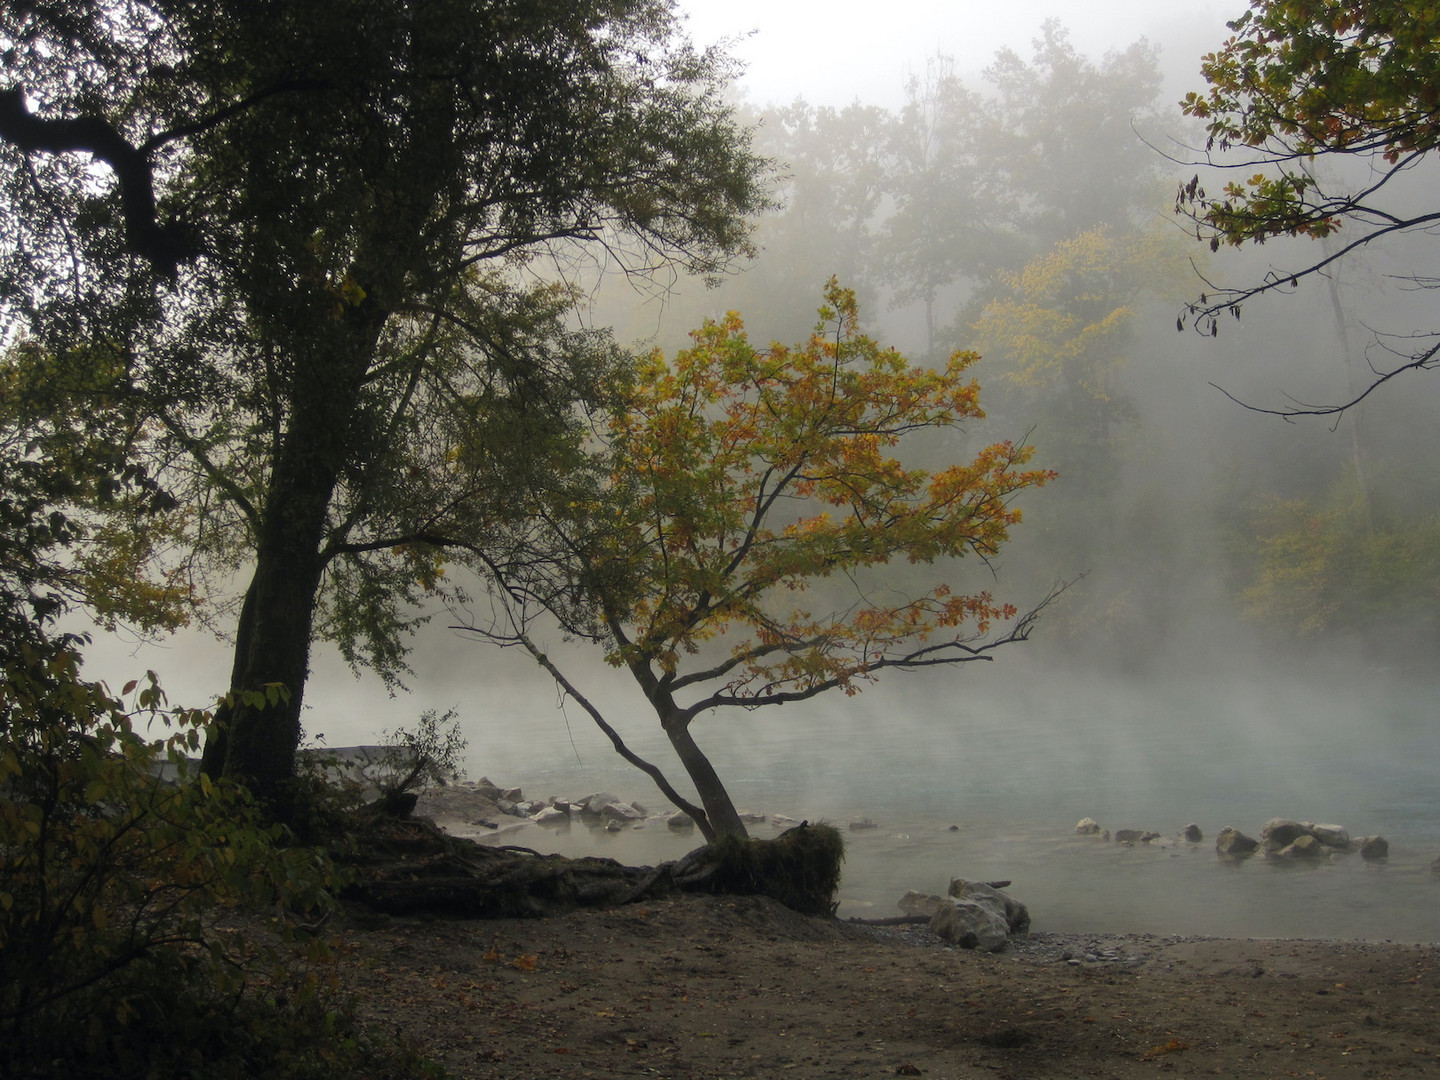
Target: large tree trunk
[262, 734]
[217, 742]
[723, 820]
[262, 730]
[325, 394]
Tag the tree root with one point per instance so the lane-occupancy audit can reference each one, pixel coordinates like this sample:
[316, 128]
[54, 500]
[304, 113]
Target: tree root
[411, 867]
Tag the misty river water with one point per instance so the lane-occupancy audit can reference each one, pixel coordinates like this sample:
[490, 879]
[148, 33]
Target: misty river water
[1013, 759]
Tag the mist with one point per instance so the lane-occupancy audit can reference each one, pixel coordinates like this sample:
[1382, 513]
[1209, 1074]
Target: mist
[1194, 671]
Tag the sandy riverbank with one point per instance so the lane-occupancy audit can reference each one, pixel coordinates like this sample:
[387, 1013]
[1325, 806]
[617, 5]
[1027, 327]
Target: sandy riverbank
[700, 987]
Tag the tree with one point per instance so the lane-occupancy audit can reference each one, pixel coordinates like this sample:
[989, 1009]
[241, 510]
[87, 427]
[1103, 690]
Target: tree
[1301, 81]
[727, 544]
[948, 220]
[1320, 568]
[984, 184]
[831, 187]
[1063, 139]
[299, 236]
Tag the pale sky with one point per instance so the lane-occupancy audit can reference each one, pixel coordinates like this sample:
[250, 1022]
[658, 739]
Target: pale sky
[834, 53]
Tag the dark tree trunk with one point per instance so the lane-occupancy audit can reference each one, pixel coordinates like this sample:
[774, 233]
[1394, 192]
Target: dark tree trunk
[262, 732]
[723, 818]
[217, 742]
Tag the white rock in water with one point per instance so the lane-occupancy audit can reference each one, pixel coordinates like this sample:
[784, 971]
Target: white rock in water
[1329, 835]
[620, 812]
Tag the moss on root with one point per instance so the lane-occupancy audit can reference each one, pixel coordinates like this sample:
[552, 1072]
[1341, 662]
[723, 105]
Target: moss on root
[800, 867]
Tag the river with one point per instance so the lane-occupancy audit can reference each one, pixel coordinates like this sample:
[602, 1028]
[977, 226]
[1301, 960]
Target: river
[984, 775]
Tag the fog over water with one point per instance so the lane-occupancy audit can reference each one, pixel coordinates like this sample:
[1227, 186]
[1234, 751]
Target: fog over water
[1164, 690]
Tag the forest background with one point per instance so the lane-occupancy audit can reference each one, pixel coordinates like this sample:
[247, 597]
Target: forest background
[1025, 210]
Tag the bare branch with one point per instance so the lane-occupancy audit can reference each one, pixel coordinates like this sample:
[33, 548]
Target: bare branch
[1425, 361]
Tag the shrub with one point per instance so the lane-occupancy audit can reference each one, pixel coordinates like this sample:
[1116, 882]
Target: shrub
[115, 865]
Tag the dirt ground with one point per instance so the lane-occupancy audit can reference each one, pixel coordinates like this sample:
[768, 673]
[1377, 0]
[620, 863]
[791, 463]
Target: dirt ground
[704, 988]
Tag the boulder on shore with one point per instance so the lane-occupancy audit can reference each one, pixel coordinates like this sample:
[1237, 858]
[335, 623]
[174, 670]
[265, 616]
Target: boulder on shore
[971, 925]
[1017, 915]
[976, 915]
[918, 903]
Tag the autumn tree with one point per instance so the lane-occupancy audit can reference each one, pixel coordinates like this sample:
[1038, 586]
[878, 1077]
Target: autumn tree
[1325, 110]
[733, 541]
[302, 241]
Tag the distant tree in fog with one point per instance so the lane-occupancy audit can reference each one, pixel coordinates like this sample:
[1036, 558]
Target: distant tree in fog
[1059, 334]
[1320, 568]
[723, 545]
[983, 181]
[1303, 81]
[947, 217]
[1064, 138]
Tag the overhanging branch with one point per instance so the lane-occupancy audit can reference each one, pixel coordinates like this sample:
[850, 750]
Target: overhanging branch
[164, 246]
[955, 651]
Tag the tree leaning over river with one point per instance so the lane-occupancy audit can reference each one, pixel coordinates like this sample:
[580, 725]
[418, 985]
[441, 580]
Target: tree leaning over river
[723, 542]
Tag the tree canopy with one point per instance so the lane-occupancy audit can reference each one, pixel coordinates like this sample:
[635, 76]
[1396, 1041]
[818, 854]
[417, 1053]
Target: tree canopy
[308, 245]
[741, 495]
[1308, 81]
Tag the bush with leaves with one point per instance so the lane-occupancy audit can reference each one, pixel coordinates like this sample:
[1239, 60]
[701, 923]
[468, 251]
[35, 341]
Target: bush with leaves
[114, 867]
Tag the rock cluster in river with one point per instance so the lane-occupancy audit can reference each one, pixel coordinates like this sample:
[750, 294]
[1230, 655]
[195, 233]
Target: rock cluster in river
[1280, 838]
[486, 805]
[483, 804]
